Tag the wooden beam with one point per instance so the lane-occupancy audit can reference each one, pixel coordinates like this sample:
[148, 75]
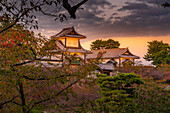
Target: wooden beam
[65, 42]
[133, 62]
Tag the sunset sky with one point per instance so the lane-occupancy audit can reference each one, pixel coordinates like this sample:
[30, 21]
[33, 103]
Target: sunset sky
[131, 22]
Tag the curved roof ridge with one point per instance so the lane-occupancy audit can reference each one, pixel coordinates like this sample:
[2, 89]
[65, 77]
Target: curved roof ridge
[111, 49]
[111, 53]
[67, 32]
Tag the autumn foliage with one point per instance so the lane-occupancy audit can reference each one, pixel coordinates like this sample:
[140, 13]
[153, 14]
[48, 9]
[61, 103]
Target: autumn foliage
[25, 82]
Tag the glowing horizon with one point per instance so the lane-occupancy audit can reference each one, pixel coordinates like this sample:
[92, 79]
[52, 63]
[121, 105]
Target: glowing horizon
[136, 45]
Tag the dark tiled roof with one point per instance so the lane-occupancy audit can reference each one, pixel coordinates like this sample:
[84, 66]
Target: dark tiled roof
[112, 53]
[106, 66]
[69, 32]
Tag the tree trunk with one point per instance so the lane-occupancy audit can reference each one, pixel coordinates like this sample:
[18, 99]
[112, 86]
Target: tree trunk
[21, 91]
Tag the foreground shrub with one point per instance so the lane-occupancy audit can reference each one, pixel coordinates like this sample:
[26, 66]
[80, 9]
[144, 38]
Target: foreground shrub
[117, 92]
[127, 93]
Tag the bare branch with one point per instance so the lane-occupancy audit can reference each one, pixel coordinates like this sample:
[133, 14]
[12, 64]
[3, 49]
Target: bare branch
[26, 62]
[28, 78]
[166, 4]
[6, 102]
[52, 97]
[21, 13]
[3, 103]
[10, 25]
[16, 103]
[48, 69]
[72, 10]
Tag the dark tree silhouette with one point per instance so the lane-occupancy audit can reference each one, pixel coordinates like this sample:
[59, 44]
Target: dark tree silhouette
[108, 44]
[158, 52]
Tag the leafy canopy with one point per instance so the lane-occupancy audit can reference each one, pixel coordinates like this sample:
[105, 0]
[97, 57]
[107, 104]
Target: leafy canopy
[108, 44]
[158, 52]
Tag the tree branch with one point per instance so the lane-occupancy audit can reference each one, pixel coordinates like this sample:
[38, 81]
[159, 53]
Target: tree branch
[28, 78]
[72, 10]
[66, 5]
[10, 25]
[26, 62]
[48, 69]
[166, 4]
[3, 103]
[55, 94]
[19, 17]
[16, 103]
[79, 4]
[35, 56]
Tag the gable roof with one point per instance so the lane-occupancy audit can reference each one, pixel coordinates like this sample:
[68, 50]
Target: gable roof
[69, 32]
[61, 47]
[112, 61]
[113, 53]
